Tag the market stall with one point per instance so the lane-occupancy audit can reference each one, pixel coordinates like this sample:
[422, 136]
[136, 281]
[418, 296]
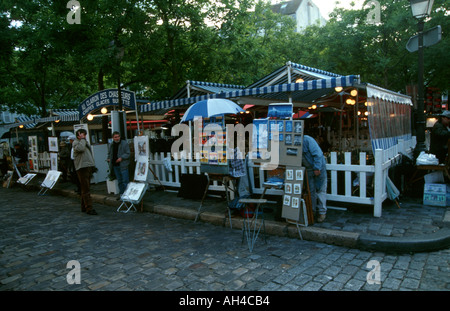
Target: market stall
[360, 147]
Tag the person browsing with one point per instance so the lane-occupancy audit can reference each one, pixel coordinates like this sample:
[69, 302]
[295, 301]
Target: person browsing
[119, 159]
[84, 163]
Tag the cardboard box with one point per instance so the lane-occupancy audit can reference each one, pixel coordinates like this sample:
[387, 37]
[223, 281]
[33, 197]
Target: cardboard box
[435, 194]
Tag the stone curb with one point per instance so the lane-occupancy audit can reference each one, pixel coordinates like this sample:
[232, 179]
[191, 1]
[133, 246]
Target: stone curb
[430, 242]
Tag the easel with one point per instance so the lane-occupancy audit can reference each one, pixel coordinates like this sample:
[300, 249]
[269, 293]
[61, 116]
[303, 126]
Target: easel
[132, 195]
[225, 179]
[49, 182]
[251, 228]
[25, 180]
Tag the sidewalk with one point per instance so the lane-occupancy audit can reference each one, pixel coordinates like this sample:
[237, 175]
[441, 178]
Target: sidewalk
[413, 227]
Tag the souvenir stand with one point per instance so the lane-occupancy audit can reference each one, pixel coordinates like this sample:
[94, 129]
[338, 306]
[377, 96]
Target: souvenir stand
[279, 130]
[135, 191]
[213, 157]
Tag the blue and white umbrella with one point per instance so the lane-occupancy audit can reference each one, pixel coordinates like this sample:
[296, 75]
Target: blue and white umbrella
[211, 107]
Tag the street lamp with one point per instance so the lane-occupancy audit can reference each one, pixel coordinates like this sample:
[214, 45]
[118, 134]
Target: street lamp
[420, 10]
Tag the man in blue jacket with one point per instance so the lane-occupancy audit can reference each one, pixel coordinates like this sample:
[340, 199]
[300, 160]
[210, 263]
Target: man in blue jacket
[119, 159]
[315, 164]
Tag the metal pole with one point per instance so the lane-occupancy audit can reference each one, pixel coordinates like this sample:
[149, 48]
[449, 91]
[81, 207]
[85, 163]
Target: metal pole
[420, 123]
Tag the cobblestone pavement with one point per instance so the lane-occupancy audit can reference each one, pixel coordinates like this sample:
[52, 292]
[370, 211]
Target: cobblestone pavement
[39, 235]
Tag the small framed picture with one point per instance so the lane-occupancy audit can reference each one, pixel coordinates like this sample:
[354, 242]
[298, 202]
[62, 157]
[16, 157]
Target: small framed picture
[299, 175]
[288, 188]
[287, 200]
[298, 127]
[289, 174]
[297, 140]
[291, 151]
[288, 139]
[297, 189]
[295, 202]
[288, 126]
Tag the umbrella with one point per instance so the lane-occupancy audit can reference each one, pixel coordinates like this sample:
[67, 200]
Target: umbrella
[65, 134]
[211, 107]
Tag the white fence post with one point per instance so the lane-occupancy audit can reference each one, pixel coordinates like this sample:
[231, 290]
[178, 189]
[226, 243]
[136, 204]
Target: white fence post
[378, 184]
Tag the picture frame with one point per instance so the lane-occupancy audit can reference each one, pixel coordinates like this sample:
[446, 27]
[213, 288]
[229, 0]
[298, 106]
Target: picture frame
[133, 192]
[295, 202]
[141, 171]
[289, 174]
[297, 189]
[298, 127]
[53, 161]
[288, 188]
[53, 144]
[298, 174]
[288, 126]
[288, 139]
[287, 200]
[297, 140]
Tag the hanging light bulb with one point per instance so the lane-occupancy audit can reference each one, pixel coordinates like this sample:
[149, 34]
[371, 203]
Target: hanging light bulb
[354, 93]
[338, 89]
[104, 110]
[90, 117]
[299, 80]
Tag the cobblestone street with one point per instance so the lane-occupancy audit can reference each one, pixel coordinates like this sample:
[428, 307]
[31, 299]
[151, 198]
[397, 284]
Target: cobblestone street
[144, 251]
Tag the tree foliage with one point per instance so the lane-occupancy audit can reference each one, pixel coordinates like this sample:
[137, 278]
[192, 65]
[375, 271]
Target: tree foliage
[153, 46]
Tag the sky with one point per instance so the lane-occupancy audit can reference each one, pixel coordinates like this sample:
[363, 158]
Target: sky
[327, 6]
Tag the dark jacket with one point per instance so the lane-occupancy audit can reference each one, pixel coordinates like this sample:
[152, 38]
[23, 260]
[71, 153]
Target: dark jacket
[438, 141]
[122, 152]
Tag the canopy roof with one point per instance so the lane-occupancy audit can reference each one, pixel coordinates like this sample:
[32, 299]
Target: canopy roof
[29, 122]
[278, 86]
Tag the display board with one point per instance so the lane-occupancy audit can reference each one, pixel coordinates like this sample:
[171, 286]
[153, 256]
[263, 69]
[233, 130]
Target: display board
[213, 143]
[33, 153]
[294, 207]
[141, 154]
[288, 134]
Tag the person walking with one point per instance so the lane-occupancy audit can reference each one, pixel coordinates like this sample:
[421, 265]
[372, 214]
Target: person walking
[315, 164]
[119, 159]
[84, 163]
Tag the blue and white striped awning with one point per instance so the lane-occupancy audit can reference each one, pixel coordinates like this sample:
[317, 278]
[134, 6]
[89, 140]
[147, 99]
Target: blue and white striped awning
[70, 115]
[197, 88]
[67, 114]
[328, 83]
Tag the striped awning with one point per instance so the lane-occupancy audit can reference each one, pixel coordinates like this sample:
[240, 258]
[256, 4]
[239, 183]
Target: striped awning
[197, 88]
[327, 83]
[67, 114]
[71, 115]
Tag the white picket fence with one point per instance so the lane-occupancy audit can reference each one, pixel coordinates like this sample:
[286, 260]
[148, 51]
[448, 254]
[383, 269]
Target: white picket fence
[369, 176]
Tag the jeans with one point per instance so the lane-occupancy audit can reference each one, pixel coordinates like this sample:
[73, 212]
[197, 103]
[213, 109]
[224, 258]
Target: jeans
[318, 190]
[84, 176]
[122, 178]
